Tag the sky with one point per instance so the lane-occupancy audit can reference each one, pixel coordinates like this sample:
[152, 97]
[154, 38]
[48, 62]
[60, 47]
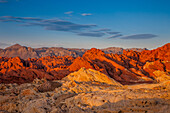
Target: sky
[85, 23]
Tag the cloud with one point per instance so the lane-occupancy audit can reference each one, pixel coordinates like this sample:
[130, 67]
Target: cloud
[115, 36]
[139, 36]
[61, 25]
[102, 30]
[86, 14]
[21, 18]
[8, 20]
[49, 24]
[3, 1]
[112, 32]
[91, 34]
[71, 27]
[68, 26]
[18, 19]
[69, 13]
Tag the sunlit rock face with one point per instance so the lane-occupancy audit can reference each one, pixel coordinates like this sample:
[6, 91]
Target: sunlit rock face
[131, 67]
[128, 68]
[17, 70]
[159, 70]
[90, 75]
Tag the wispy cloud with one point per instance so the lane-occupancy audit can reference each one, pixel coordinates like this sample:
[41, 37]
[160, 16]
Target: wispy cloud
[112, 32]
[60, 25]
[86, 14]
[102, 30]
[69, 13]
[91, 34]
[3, 1]
[20, 18]
[115, 36]
[139, 36]
[68, 26]
[49, 24]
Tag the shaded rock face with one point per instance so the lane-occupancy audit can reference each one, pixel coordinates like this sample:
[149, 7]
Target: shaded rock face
[131, 67]
[28, 52]
[18, 50]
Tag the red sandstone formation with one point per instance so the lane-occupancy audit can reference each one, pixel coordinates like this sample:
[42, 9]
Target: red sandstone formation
[162, 53]
[16, 70]
[127, 68]
[119, 67]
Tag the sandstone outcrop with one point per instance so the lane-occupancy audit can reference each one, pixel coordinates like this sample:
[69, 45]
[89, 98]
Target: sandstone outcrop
[161, 53]
[116, 66]
[159, 70]
[131, 67]
[17, 70]
[90, 75]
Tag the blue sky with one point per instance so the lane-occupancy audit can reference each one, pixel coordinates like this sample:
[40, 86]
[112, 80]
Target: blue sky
[85, 23]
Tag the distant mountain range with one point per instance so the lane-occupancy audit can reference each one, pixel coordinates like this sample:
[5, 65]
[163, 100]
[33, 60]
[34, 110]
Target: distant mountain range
[28, 52]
